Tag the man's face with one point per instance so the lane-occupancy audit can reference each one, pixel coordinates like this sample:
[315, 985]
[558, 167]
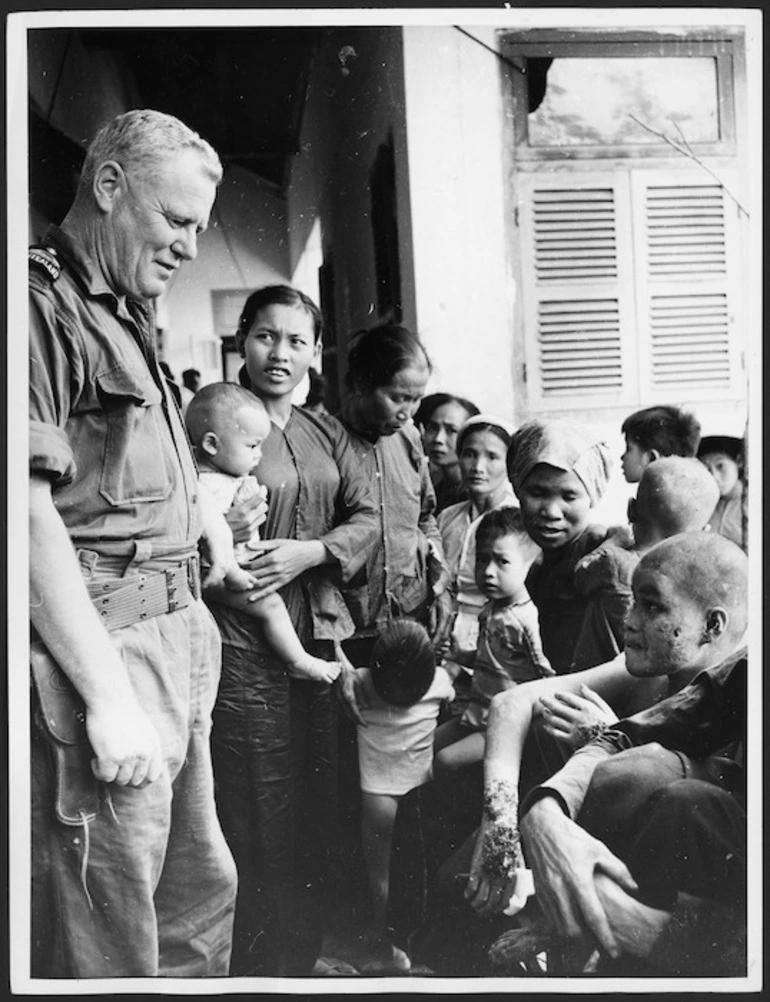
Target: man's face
[665, 628]
[154, 225]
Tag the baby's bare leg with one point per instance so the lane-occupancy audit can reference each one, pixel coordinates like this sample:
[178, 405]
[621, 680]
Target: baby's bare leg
[466, 751]
[272, 614]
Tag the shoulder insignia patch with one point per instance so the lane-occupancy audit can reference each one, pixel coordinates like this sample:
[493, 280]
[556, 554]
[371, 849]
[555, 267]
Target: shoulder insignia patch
[45, 257]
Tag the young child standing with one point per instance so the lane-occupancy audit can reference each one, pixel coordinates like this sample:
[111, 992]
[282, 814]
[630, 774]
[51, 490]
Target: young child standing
[402, 693]
[227, 425]
[509, 648]
[655, 432]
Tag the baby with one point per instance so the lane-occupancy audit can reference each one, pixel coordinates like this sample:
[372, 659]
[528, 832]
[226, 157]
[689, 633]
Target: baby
[227, 425]
[509, 647]
[402, 694]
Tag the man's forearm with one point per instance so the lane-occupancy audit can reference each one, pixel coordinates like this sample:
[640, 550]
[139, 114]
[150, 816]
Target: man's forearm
[61, 610]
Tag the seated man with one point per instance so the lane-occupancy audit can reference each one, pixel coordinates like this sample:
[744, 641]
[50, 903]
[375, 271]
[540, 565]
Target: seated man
[654, 867]
[701, 580]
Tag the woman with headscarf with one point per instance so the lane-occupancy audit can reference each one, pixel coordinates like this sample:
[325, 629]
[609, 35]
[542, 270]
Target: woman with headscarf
[559, 470]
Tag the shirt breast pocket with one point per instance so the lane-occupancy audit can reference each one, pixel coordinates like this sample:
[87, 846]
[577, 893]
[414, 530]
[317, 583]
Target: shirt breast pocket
[136, 463]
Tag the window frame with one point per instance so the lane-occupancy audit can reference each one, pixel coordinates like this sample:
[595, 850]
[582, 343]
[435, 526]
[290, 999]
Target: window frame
[516, 48]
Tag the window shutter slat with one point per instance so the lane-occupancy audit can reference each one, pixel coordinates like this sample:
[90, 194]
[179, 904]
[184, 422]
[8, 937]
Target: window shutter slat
[685, 303]
[572, 287]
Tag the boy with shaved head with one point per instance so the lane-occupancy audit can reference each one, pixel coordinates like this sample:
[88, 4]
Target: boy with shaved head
[674, 496]
[653, 867]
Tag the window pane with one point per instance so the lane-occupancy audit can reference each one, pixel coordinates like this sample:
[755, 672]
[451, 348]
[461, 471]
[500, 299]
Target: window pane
[591, 102]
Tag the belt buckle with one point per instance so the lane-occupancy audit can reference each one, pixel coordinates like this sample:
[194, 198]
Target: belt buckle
[194, 576]
[171, 589]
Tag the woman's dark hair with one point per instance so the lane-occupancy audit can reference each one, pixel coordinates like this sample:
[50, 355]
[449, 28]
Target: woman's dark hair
[433, 401]
[317, 392]
[403, 663]
[490, 426]
[276, 295]
[376, 356]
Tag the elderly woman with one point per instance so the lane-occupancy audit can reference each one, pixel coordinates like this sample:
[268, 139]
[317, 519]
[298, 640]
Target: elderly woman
[439, 418]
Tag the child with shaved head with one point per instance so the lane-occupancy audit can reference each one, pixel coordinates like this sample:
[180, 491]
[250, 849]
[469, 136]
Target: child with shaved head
[674, 496]
[689, 616]
[227, 425]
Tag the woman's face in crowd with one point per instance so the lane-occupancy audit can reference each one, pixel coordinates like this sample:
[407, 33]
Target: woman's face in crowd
[723, 469]
[555, 506]
[386, 409]
[440, 436]
[665, 627]
[482, 461]
[279, 349]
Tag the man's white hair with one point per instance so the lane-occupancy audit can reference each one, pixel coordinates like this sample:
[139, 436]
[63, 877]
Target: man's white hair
[140, 141]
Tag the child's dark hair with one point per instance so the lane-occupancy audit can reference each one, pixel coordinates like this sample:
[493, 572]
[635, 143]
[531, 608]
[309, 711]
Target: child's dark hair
[506, 521]
[403, 663]
[667, 429]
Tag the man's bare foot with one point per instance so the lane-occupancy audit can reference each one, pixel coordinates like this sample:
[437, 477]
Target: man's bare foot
[315, 669]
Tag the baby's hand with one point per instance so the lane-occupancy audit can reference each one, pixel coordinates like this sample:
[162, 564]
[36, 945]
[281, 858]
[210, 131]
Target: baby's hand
[315, 669]
[237, 579]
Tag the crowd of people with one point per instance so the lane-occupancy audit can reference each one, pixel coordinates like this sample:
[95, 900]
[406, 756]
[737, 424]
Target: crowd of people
[254, 623]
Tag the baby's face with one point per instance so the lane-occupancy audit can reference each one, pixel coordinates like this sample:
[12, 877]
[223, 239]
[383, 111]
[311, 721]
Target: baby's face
[240, 443]
[634, 461]
[723, 469]
[501, 568]
[665, 626]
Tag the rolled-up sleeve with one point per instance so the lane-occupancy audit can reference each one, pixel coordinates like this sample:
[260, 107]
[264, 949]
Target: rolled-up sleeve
[52, 379]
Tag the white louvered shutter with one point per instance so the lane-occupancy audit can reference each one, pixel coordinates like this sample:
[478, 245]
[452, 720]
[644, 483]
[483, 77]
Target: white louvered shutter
[687, 303]
[577, 288]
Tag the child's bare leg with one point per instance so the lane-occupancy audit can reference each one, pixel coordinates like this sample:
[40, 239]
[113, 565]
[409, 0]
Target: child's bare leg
[447, 733]
[280, 634]
[466, 751]
[378, 816]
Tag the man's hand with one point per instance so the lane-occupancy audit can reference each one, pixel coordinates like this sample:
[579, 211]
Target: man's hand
[576, 719]
[127, 748]
[279, 561]
[347, 689]
[564, 860]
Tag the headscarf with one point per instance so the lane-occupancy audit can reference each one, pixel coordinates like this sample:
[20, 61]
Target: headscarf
[566, 445]
[485, 419]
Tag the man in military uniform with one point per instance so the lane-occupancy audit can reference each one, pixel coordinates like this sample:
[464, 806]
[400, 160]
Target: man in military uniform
[131, 874]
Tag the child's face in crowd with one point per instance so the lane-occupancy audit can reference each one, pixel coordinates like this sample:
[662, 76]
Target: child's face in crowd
[239, 447]
[555, 506]
[723, 469]
[440, 436]
[482, 461]
[634, 461]
[501, 568]
[665, 628]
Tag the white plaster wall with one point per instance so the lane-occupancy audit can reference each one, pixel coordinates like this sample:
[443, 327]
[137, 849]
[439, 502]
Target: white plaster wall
[462, 289]
[245, 247]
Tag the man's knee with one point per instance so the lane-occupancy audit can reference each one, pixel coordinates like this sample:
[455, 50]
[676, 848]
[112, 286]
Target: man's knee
[622, 786]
